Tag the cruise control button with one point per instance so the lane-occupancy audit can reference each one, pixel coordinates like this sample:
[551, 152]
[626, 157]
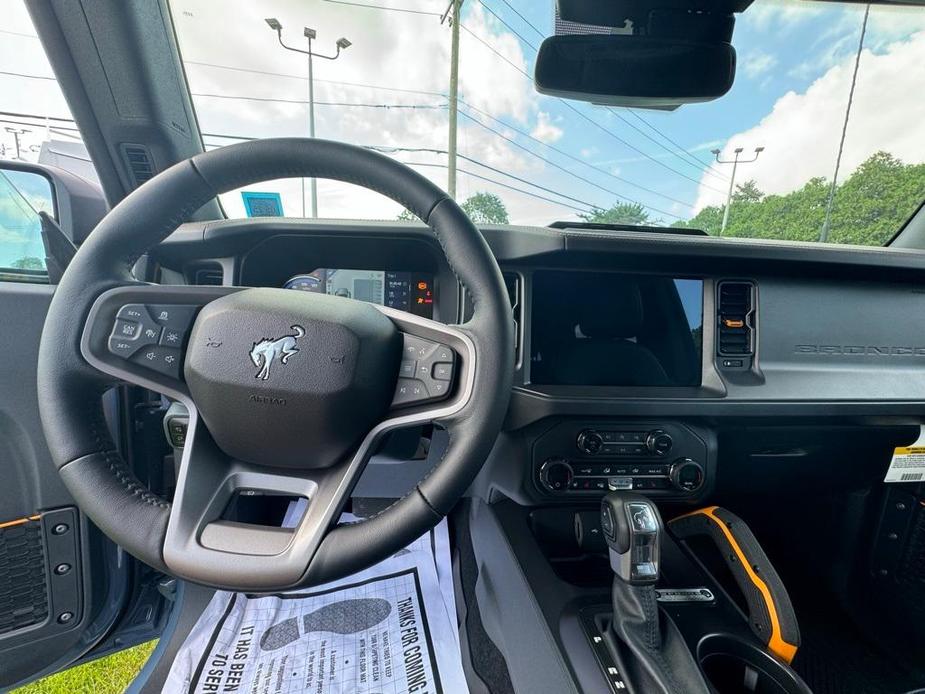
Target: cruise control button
[123, 348]
[443, 372]
[128, 330]
[165, 360]
[135, 312]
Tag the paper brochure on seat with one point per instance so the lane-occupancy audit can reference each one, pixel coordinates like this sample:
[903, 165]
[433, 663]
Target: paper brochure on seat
[387, 630]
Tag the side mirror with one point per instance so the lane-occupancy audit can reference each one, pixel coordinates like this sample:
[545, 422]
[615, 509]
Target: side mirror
[635, 71]
[45, 212]
[24, 195]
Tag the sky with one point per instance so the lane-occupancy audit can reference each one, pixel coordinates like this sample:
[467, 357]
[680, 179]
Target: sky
[795, 62]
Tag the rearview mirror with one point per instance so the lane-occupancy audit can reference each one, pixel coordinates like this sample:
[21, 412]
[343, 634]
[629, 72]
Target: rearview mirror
[637, 71]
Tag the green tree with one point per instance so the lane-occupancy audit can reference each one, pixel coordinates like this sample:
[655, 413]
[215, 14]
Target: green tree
[747, 192]
[482, 208]
[29, 262]
[868, 207]
[620, 213]
[486, 208]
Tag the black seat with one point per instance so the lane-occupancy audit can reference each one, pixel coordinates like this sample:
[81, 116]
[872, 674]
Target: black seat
[600, 347]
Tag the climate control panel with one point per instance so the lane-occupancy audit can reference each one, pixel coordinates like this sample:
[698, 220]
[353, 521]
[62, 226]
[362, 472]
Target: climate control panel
[669, 459]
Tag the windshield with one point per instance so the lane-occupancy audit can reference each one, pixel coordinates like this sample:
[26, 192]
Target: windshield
[819, 139]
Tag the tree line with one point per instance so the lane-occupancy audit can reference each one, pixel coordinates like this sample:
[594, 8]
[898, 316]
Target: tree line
[868, 208]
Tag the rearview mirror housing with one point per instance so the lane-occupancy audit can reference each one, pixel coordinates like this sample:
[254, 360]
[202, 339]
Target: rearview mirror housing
[636, 71]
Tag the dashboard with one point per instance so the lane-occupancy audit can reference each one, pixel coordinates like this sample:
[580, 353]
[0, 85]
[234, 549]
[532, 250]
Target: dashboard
[665, 363]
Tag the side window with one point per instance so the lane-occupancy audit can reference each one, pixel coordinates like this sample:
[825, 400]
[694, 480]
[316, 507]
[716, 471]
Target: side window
[23, 195]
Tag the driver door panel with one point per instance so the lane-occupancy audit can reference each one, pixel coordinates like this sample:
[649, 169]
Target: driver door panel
[62, 584]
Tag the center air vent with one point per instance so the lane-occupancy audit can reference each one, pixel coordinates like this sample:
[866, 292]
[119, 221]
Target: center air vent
[735, 312]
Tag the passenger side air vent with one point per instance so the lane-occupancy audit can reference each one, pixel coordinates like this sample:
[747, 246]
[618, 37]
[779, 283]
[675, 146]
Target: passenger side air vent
[735, 321]
[513, 284]
[138, 160]
[209, 275]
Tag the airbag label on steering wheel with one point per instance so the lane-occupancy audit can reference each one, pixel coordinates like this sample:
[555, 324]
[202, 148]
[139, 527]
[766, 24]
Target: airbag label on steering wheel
[385, 630]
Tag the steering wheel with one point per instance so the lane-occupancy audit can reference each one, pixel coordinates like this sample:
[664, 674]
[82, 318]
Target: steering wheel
[288, 393]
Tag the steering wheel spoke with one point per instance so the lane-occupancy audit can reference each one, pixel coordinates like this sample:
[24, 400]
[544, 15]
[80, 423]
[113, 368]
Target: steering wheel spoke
[138, 333]
[212, 538]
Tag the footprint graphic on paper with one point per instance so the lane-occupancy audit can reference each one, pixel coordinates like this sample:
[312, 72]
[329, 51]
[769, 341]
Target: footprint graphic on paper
[344, 617]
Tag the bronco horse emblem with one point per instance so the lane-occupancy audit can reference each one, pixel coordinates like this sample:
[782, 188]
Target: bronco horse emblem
[266, 351]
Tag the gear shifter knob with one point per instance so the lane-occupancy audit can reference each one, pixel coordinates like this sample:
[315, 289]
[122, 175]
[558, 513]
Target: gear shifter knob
[632, 528]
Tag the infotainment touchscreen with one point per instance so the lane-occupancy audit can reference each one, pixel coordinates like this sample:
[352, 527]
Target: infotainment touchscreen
[406, 291]
[608, 329]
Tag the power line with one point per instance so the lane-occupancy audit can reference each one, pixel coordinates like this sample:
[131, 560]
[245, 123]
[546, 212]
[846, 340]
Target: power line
[386, 149]
[305, 79]
[381, 7]
[317, 103]
[568, 155]
[503, 185]
[430, 150]
[577, 176]
[681, 149]
[524, 19]
[28, 77]
[824, 233]
[430, 93]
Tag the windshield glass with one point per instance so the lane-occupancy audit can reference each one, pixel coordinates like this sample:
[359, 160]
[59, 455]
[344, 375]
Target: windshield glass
[822, 130]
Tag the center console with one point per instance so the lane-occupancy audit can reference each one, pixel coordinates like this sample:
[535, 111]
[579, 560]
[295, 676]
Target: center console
[586, 459]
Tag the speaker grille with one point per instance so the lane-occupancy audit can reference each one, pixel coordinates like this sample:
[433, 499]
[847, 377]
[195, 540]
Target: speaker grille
[23, 589]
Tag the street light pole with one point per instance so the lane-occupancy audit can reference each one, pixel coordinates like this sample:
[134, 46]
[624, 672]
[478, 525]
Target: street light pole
[310, 34]
[735, 165]
[16, 132]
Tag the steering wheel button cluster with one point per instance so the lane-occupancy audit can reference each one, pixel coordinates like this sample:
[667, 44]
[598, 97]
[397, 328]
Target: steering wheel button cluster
[152, 335]
[425, 373]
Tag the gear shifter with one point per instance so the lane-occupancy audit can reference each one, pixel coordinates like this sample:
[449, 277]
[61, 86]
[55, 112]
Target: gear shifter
[632, 528]
[648, 647]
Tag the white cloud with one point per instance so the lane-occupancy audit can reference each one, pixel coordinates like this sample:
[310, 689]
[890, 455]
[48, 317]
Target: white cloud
[545, 130]
[758, 63]
[767, 14]
[588, 152]
[802, 131]
[390, 49]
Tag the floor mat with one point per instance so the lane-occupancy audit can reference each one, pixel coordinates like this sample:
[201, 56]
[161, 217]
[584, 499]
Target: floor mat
[385, 630]
[837, 658]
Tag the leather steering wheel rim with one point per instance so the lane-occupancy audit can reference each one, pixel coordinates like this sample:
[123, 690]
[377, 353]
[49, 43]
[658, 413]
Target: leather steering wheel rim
[70, 387]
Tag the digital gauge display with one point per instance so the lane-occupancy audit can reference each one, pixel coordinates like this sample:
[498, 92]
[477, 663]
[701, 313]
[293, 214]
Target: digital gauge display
[405, 291]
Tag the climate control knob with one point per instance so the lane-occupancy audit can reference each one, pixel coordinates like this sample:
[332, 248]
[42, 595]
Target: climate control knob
[659, 442]
[556, 474]
[590, 442]
[686, 475]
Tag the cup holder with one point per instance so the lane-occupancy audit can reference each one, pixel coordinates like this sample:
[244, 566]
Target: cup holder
[734, 666]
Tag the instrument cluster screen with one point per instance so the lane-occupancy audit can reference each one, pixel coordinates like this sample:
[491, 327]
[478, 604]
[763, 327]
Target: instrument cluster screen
[405, 291]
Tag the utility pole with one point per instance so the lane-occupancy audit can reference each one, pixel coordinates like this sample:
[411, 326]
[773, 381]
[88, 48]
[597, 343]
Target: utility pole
[16, 132]
[735, 165]
[455, 6]
[310, 34]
